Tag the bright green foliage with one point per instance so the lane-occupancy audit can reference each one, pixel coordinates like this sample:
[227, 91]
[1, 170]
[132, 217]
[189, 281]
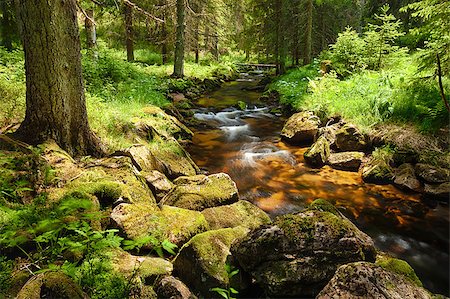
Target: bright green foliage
[230, 292]
[158, 246]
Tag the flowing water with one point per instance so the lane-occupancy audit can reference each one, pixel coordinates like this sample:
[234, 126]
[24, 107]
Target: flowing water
[273, 175]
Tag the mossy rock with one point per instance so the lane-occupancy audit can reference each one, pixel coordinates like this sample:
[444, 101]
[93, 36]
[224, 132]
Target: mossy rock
[155, 121]
[298, 254]
[349, 138]
[350, 161]
[377, 172]
[241, 213]
[300, 128]
[398, 266]
[201, 192]
[143, 267]
[367, 280]
[201, 262]
[109, 180]
[317, 155]
[171, 287]
[169, 223]
[405, 178]
[18, 280]
[171, 159]
[51, 284]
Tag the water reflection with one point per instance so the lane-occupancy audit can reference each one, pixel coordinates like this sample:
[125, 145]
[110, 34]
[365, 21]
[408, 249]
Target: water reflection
[273, 175]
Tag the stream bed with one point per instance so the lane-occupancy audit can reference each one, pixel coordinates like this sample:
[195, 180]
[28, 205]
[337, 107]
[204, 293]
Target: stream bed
[273, 175]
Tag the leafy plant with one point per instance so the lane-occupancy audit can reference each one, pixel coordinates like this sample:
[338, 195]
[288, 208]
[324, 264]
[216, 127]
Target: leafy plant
[230, 292]
[158, 246]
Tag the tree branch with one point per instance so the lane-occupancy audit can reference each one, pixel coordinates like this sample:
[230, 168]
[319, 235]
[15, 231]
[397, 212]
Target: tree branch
[147, 14]
[441, 86]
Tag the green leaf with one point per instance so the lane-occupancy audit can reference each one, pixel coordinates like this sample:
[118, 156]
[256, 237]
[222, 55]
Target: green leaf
[234, 291]
[221, 292]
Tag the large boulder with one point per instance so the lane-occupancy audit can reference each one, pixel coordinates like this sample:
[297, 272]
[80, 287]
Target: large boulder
[349, 138]
[298, 254]
[432, 174]
[377, 171]
[405, 178]
[169, 223]
[51, 284]
[439, 191]
[143, 268]
[301, 128]
[201, 192]
[171, 287]
[241, 213]
[201, 263]
[329, 132]
[367, 280]
[171, 159]
[317, 155]
[346, 160]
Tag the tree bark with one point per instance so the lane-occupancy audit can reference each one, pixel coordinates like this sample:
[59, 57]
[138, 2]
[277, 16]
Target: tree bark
[129, 32]
[178, 69]
[91, 33]
[308, 32]
[164, 35]
[55, 102]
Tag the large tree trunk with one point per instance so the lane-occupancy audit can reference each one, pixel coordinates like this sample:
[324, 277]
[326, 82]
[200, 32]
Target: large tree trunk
[178, 69]
[55, 102]
[129, 33]
[91, 33]
[308, 32]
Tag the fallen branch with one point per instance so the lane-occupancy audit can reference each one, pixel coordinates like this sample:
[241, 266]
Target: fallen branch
[441, 86]
[134, 6]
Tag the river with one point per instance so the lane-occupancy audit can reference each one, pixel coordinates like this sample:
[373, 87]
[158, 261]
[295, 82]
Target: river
[273, 175]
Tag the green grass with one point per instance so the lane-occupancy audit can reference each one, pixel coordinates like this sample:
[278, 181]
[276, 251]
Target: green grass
[369, 98]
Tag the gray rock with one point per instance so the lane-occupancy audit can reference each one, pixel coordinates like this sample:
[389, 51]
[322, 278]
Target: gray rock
[158, 183]
[405, 178]
[367, 280]
[377, 172]
[432, 174]
[346, 160]
[298, 254]
[301, 128]
[170, 287]
[201, 192]
[441, 191]
[349, 138]
[317, 155]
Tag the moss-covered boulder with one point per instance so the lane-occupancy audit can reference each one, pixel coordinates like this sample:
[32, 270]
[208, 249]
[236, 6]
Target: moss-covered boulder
[201, 262]
[201, 192]
[317, 155]
[350, 161]
[139, 267]
[241, 213]
[169, 223]
[52, 284]
[298, 254]
[171, 287]
[349, 138]
[405, 178]
[171, 159]
[154, 122]
[158, 183]
[367, 280]
[301, 128]
[109, 180]
[377, 172]
[432, 174]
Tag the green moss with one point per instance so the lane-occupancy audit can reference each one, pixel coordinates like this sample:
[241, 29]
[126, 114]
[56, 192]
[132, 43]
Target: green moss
[242, 213]
[324, 206]
[398, 266]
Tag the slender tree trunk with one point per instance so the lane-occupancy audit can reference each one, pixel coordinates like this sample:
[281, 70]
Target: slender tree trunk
[283, 40]
[129, 32]
[164, 35]
[7, 27]
[296, 51]
[197, 43]
[178, 69]
[55, 102]
[215, 49]
[91, 34]
[278, 35]
[308, 32]
[323, 28]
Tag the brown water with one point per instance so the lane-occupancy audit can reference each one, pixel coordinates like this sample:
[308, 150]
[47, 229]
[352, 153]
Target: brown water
[273, 175]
